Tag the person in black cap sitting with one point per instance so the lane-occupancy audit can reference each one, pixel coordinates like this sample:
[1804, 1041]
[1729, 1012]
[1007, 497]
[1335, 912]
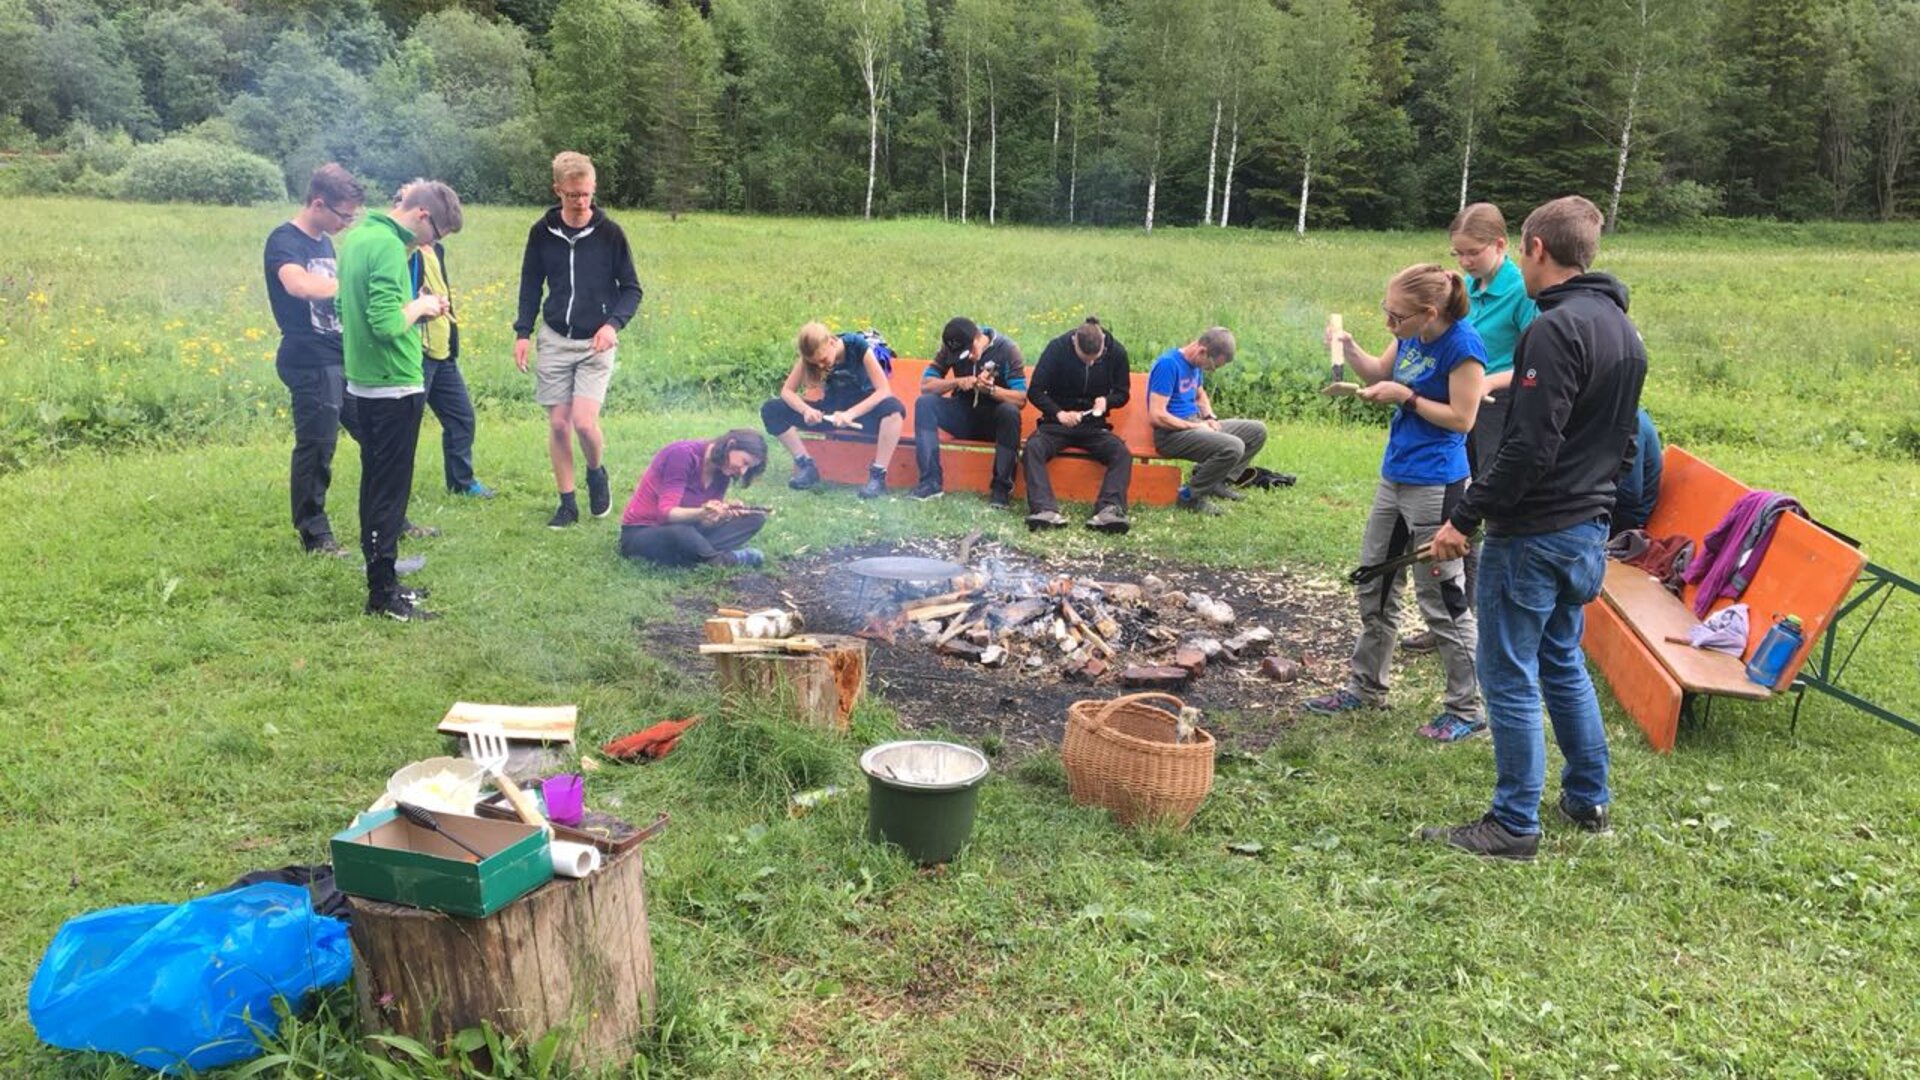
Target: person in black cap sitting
[1081, 378]
[974, 389]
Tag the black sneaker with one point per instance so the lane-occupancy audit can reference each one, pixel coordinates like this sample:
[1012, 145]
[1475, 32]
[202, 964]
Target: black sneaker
[805, 474]
[1486, 837]
[401, 609]
[413, 594]
[876, 484]
[1046, 519]
[1000, 500]
[1594, 819]
[568, 514]
[925, 490]
[599, 496]
[1109, 519]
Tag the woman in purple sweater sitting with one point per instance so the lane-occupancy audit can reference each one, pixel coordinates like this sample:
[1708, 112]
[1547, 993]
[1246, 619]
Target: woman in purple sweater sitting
[680, 516]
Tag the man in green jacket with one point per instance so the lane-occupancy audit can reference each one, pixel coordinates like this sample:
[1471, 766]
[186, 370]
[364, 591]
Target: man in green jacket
[380, 336]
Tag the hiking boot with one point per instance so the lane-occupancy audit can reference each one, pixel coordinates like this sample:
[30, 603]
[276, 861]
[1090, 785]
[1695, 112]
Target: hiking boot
[401, 609]
[1486, 837]
[1340, 701]
[568, 514]
[876, 484]
[805, 474]
[1422, 642]
[1000, 500]
[413, 594]
[925, 490]
[1109, 519]
[1449, 728]
[599, 494]
[475, 490]
[419, 532]
[329, 547]
[1046, 519]
[747, 557]
[1594, 819]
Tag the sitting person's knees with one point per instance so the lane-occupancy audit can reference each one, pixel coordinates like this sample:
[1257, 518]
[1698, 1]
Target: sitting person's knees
[890, 407]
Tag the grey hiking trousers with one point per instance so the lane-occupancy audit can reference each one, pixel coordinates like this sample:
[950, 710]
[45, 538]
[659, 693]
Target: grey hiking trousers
[1403, 517]
[1217, 455]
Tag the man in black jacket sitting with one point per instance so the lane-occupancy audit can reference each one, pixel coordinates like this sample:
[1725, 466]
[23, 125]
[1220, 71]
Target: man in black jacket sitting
[1546, 501]
[1081, 378]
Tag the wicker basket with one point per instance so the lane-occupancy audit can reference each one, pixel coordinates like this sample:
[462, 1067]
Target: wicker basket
[1121, 755]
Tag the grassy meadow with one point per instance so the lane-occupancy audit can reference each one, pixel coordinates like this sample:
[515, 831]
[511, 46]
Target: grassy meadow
[183, 697]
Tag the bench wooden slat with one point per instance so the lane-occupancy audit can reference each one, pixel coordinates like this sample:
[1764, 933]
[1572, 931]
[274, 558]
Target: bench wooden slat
[1654, 613]
[1639, 680]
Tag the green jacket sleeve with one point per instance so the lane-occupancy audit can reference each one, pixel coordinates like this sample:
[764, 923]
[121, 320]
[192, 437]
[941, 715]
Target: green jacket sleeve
[389, 289]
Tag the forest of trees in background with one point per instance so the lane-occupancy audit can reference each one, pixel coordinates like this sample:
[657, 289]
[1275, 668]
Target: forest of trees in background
[1266, 113]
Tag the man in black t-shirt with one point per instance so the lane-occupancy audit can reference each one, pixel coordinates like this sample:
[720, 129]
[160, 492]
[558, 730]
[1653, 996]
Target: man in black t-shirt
[301, 287]
[1081, 378]
[974, 388]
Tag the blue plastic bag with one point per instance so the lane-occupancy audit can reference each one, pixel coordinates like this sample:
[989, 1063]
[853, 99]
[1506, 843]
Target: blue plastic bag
[185, 985]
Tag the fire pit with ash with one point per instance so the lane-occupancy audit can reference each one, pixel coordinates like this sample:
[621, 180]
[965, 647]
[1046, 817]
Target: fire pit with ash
[990, 641]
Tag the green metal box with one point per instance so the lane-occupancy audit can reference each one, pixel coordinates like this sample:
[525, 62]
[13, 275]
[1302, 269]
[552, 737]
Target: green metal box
[386, 857]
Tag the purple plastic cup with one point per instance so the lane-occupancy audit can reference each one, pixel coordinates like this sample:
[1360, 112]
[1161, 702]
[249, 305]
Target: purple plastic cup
[566, 797]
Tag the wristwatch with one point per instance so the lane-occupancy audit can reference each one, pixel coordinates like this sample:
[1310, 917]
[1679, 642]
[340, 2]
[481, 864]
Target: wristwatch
[1412, 403]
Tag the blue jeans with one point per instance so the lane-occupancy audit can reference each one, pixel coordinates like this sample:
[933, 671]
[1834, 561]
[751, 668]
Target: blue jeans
[1532, 590]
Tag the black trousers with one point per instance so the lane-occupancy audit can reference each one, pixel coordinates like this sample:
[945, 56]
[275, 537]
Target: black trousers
[777, 416]
[958, 415]
[320, 408]
[1109, 449]
[447, 397]
[685, 545]
[389, 435]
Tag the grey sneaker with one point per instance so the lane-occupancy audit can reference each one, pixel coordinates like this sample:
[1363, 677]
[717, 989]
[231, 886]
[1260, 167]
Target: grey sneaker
[1202, 504]
[805, 474]
[748, 557]
[925, 490]
[1424, 641]
[1594, 819]
[329, 547]
[876, 484]
[1487, 838]
[1046, 519]
[1229, 494]
[1109, 519]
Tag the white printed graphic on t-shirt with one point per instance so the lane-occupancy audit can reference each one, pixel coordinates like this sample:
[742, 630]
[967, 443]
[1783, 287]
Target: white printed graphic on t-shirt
[325, 319]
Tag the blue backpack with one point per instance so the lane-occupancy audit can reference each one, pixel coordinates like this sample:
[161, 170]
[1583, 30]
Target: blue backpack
[882, 352]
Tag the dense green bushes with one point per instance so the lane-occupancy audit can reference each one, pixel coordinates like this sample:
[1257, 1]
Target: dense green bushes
[186, 169]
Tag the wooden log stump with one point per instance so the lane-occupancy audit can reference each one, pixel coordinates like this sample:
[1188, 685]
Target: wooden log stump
[572, 954]
[816, 688]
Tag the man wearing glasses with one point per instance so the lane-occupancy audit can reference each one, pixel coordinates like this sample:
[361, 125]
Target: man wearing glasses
[580, 259]
[380, 335]
[300, 289]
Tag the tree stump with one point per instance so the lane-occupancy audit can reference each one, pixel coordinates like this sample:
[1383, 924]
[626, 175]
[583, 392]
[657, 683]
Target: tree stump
[815, 688]
[572, 954]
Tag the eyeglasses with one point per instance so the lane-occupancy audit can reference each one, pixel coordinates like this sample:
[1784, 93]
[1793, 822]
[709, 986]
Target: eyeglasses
[343, 215]
[575, 196]
[1394, 318]
[428, 214]
[1463, 256]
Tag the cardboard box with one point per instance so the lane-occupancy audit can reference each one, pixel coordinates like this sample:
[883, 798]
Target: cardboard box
[386, 857]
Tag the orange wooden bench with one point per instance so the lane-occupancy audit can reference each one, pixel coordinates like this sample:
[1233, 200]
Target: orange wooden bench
[1807, 572]
[967, 465]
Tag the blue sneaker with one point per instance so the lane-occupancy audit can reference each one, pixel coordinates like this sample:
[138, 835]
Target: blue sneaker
[1340, 701]
[476, 489]
[748, 557]
[1448, 728]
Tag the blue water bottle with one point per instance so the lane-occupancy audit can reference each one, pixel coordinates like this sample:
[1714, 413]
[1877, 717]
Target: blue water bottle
[1776, 648]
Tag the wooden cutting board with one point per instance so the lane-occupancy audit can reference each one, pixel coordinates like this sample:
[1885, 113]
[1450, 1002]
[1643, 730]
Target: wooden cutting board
[542, 723]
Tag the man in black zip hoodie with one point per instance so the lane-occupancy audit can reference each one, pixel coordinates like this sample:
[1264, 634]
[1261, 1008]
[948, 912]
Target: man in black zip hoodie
[1546, 501]
[582, 259]
[1081, 378]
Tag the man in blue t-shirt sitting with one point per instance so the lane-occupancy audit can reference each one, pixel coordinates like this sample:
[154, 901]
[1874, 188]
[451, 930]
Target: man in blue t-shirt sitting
[1185, 427]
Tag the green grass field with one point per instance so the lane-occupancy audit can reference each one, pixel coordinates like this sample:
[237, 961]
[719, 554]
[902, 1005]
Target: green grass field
[183, 697]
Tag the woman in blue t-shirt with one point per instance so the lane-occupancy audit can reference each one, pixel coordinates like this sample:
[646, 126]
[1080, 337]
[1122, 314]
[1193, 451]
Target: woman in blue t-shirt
[1431, 375]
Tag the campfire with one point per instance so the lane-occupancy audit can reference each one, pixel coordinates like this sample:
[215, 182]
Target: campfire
[998, 614]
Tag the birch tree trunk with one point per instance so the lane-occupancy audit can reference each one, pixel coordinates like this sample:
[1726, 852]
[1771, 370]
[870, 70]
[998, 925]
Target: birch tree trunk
[945, 213]
[1626, 141]
[1153, 175]
[993, 150]
[1233, 148]
[1073, 167]
[1213, 155]
[966, 152]
[1053, 163]
[1306, 179]
[1466, 161]
[867, 64]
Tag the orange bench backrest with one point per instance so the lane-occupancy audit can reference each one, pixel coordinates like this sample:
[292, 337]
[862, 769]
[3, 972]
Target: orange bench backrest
[1130, 422]
[1808, 571]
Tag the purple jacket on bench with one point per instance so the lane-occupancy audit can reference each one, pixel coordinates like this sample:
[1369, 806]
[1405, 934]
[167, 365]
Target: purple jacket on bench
[1730, 555]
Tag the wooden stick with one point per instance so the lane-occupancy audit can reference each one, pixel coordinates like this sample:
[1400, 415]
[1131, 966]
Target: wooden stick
[940, 611]
[1335, 355]
[1087, 633]
[752, 645]
[936, 601]
[955, 629]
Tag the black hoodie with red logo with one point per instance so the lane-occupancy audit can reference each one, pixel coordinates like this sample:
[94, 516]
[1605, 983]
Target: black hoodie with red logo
[588, 275]
[1577, 374]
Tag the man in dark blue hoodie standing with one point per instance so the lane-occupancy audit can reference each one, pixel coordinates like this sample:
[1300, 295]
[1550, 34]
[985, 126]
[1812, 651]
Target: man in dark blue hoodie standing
[1546, 500]
[581, 259]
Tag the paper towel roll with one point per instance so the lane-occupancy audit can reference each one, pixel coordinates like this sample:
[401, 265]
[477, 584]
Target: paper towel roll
[574, 860]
